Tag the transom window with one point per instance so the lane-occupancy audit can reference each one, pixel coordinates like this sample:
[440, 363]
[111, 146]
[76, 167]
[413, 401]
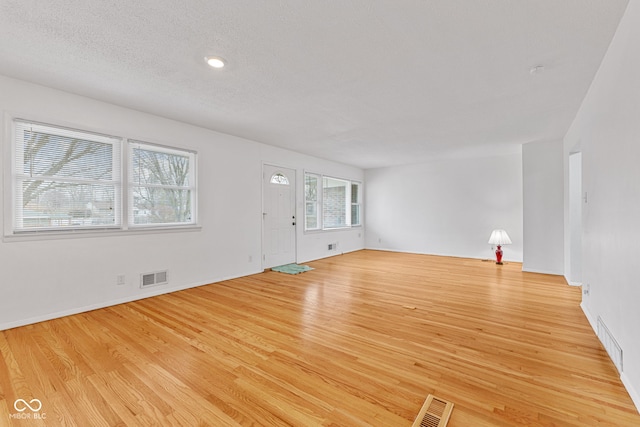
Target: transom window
[279, 178]
[68, 179]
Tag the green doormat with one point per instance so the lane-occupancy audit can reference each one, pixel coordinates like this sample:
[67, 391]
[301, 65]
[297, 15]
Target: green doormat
[292, 268]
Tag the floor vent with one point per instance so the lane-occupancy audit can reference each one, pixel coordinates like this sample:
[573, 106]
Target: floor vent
[434, 413]
[152, 279]
[610, 344]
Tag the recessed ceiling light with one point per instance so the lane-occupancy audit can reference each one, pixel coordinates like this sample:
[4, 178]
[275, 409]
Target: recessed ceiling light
[538, 69]
[214, 61]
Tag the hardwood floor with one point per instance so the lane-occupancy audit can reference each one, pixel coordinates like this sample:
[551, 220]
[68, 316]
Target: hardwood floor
[360, 340]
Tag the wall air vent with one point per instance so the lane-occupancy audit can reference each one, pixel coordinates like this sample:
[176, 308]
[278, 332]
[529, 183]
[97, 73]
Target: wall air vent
[610, 344]
[152, 279]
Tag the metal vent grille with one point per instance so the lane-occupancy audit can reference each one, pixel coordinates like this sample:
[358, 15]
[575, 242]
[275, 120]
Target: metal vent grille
[610, 344]
[435, 412]
[152, 279]
[161, 277]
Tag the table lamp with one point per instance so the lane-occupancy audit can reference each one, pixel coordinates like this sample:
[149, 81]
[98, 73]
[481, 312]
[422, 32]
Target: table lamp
[499, 238]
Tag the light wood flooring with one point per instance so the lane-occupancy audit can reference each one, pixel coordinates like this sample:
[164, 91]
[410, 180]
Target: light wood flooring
[360, 340]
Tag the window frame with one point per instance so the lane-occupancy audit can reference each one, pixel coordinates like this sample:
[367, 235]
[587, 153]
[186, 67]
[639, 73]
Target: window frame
[319, 203]
[277, 179]
[122, 206]
[192, 187]
[344, 204]
[357, 203]
[60, 133]
[317, 207]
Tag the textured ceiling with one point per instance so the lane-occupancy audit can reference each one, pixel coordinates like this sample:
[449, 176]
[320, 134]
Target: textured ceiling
[363, 82]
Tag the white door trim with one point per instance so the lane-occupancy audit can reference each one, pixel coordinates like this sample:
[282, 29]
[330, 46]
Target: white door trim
[293, 194]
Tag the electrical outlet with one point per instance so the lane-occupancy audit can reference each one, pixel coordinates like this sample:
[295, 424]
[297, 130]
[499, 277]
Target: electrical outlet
[586, 289]
[120, 280]
[250, 258]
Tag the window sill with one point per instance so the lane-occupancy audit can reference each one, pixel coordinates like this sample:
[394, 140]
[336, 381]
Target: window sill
[330, 230]
[79, 234]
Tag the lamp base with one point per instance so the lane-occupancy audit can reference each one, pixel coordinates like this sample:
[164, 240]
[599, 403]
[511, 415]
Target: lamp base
[499, 255]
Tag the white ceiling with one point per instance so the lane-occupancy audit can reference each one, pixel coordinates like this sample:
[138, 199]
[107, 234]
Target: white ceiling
[364, 82]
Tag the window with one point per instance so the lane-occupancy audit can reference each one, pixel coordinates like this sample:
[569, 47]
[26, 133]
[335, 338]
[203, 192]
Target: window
[338, 201]
[161, 187]
[278, 178]
[355, 204]
[335, 199]
[311, 220]
[68, 180]
[64, 179]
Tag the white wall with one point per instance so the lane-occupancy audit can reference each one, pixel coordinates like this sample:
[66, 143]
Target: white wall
[607, 132]
[313, 245]
[543, 207]
[574, 264]
[77, 274]
[448, 206]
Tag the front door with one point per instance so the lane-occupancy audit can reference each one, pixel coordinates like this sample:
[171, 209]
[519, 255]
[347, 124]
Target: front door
[278, 216]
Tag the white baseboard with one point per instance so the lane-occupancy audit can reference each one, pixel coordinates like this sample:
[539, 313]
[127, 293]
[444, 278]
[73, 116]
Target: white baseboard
[428, 253]
[76, 310]
[592, 321]
[330, 255]
[530, 270]
[571, 282]
[633, 393]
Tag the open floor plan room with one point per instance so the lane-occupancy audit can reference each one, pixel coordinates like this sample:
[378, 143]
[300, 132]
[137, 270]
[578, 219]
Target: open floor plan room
[360, 340]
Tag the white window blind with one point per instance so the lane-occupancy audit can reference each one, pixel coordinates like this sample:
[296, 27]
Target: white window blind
[162, 187]
[64, 178]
